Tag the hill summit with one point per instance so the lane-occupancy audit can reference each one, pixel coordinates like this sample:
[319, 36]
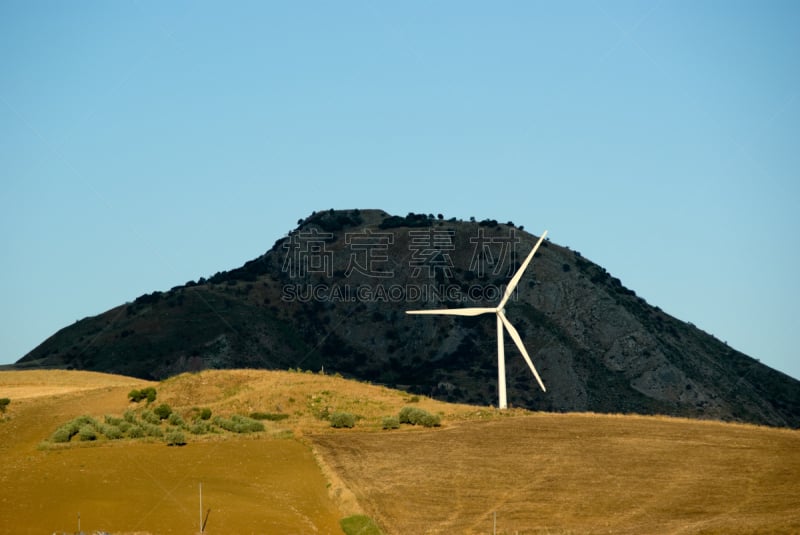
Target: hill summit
[331, 295]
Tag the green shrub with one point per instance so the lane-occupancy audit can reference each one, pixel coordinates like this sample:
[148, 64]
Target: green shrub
[247, 425]
[150, 394]
[85, 426]
[359, 525]
[239, 424]
[153, 430]
[4, 402]
[111, 432]
[343, 419]
[175, 438]
[205, 413]
[136, 431]
[163, 411]
[410, 415]
[87, 432]
[429, 420]
[112, 420]
[175, 419]
[129, 416]
[62, 434]
[271, 416]
[417, 416]
[84, 420]
[150, 417]
[200, 428]
[391, 422]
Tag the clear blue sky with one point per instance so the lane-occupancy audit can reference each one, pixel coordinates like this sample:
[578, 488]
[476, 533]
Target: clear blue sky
[144, 144]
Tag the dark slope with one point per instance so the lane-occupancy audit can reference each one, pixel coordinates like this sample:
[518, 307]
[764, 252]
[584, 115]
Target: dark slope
[334, 292]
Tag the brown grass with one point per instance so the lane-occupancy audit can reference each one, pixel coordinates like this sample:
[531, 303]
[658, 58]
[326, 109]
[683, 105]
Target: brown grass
[540, 473]
[35, 383]
[575, 473]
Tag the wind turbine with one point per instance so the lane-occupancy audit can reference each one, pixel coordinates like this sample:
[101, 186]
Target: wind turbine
[502, 323]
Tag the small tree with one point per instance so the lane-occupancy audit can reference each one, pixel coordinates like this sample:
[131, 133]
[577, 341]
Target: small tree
[87, 432]
[163, 411]
[391, 422]
[175, 419]
[343, 419]
[150, 394]
[3, 404]
[417, 416]
[175, 438]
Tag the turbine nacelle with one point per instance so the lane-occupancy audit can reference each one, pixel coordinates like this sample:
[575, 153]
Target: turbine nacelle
[502, 325]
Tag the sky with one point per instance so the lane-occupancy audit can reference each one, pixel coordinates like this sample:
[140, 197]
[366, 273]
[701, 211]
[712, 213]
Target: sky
[144, 144]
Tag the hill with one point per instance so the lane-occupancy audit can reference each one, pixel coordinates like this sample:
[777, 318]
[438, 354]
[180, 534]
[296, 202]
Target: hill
[332, 294]
[534, 472]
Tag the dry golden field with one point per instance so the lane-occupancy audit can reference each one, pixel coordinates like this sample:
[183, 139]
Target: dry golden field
[575, 473]
[268, 482]
[539, 473]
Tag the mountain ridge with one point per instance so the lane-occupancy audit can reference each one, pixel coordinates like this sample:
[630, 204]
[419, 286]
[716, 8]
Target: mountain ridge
[332, 294]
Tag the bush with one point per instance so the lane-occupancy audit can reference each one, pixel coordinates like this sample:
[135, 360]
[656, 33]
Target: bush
[153, 430]
[4, 402]
[359, 525]
[150, 417]
[429, 420]
[163, 411]
[62, 434]
[200, 428]
[239, 424]
[175, 438]
[247, 425]
[175, 419]
[391, 422]
[205, 413]
[417, 416]
[136, 431]
[111, 432]
[86, 426]
[271, 416]
[129, 416]
[112, 420]
[87, 432]
[148, 393]
[343, 419]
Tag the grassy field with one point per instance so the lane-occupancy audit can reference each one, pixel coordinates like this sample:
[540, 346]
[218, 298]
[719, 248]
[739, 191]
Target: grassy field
[538, 473]
[575, 473]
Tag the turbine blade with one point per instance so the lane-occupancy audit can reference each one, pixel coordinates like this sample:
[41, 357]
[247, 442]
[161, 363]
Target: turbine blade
[518, 275]
[454, 311]
[518, 341]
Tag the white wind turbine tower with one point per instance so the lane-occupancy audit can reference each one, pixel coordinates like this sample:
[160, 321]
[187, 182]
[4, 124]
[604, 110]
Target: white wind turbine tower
[502, 322]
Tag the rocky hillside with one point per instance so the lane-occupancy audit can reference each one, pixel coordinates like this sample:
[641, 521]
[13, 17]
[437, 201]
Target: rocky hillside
[332, 294]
